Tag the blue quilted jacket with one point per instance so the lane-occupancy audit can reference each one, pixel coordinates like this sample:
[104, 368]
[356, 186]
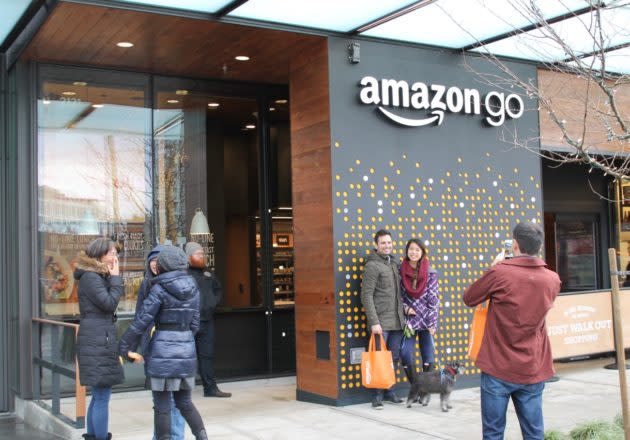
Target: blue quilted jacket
[173, 305]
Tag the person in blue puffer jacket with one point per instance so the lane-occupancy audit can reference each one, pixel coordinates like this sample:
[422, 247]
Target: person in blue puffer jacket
[171, 358]
[178, 424]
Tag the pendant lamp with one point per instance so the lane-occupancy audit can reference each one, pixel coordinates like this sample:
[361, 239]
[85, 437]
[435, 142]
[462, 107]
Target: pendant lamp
[88, 224]
[199, 223]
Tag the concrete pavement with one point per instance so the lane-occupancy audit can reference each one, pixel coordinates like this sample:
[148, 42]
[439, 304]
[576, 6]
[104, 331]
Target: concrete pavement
[267, 409]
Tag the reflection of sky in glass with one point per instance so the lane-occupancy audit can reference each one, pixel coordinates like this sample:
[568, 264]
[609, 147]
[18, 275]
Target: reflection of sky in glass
[325, 14]
[79, 163]
[457, 23]
[168, 123]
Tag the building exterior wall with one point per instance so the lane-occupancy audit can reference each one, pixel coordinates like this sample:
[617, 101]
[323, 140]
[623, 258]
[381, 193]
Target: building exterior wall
[457, 186]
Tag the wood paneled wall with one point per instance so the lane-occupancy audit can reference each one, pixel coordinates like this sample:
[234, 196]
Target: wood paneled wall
[568, 94]
[312, 216]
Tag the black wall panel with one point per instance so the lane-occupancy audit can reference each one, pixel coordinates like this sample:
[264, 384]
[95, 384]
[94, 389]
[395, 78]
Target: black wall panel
[459, 186]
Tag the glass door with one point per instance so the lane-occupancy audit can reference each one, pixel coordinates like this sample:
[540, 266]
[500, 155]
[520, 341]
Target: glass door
[212, 146]
[576, 251]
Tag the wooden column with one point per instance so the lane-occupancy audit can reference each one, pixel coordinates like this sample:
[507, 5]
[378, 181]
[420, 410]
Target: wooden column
[312, 219]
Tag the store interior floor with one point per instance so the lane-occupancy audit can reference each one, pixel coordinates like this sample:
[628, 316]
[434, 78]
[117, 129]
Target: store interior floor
[267, 409]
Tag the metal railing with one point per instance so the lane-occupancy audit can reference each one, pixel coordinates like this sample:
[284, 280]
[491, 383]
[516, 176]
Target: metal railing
[57, 369]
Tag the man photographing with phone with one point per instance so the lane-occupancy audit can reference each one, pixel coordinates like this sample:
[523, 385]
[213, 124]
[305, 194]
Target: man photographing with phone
[515, 355]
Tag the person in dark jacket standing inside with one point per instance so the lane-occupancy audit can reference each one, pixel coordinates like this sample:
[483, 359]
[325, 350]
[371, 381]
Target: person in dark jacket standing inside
[380, 295]
[178, 424]
[171, 359]
[100, 289]
[515, 355]
[209, 297]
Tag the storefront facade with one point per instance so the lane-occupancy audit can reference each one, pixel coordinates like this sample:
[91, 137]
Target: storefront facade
[294, 162]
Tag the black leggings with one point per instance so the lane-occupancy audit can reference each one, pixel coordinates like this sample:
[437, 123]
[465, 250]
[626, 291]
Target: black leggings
[162, 411]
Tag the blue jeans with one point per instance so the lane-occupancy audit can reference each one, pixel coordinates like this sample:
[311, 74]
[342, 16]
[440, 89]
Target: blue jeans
[177, 422]
[527, 399]
[98, 412]
[427, 348]
[393, 339]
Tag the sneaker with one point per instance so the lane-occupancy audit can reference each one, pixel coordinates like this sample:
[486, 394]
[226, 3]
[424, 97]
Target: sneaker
[377, 403]
[393, 398]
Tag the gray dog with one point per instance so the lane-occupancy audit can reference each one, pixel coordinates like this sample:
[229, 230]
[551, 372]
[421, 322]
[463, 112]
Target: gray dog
[435, 382]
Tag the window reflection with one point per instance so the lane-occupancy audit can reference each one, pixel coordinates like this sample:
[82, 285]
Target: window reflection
[94, 179]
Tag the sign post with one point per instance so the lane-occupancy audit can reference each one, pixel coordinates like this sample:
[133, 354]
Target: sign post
[619, 347]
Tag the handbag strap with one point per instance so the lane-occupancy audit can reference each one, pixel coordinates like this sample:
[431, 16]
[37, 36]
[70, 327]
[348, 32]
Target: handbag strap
[372, 345]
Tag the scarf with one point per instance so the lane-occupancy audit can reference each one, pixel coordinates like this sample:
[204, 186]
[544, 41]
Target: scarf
[415, 280]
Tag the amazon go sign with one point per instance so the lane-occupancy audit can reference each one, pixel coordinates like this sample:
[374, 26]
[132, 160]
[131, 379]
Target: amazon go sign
[435, 100]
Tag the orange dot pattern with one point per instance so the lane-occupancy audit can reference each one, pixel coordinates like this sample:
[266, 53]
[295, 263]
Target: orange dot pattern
[463, 215]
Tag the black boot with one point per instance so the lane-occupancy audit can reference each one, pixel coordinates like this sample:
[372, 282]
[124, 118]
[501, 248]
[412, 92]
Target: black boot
[428, 367]
[214, 391]
[201, 435]
[409, 373]
[88, 437]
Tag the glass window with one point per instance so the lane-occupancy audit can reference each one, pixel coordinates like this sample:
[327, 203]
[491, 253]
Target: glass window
[281, 206]
[324, 14]
[456, 23]
[207, 172]
[95, 171]
[208, 6]
[576, 253]
[10, 13]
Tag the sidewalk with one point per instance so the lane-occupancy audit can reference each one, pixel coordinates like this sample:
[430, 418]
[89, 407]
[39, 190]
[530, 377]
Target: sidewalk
[267, 409]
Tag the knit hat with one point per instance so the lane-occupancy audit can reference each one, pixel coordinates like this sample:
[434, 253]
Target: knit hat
[192, 247]
[172, 258]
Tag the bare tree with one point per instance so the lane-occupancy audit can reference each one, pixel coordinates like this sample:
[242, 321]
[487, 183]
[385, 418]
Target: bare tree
[581, 102]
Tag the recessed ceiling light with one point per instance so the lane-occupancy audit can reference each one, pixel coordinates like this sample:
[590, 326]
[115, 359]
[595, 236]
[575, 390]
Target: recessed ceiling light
[281, 101]
[80, 83]
[68, 93]
[213, 104]
[250, 126]
[46, 101]
[241, 58]
[97, 105]
[181, 92]
[124, 44]
[172, 101]
[272, 109]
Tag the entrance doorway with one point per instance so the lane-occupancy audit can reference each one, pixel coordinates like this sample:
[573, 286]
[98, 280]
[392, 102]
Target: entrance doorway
[236, 166]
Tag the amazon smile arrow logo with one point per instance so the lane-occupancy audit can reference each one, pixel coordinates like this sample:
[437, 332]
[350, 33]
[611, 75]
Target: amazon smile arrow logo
[436, 99]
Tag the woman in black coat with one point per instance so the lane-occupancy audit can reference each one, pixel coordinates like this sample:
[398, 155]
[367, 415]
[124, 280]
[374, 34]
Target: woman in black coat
[100, 289]
[171, 358]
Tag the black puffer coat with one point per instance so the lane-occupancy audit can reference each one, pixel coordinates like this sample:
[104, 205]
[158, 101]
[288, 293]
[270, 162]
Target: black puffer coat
[97, 347]
[210, 291]
[173, 304]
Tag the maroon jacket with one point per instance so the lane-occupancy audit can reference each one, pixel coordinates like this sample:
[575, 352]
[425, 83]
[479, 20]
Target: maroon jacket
[515, 345]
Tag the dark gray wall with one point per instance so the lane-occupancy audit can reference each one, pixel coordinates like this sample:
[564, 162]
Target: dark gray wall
[481, 187]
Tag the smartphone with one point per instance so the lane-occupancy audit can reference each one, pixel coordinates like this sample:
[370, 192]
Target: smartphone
[508, 252]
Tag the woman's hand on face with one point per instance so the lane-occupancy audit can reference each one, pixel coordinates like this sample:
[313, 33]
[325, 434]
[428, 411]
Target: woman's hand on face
[114, 269]
[135, 357]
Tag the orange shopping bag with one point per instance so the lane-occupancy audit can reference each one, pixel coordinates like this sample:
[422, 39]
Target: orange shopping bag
[377, 367]
[477, 329]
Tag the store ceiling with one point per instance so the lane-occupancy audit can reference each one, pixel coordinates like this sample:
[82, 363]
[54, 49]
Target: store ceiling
[499, 27]
[88, 35]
